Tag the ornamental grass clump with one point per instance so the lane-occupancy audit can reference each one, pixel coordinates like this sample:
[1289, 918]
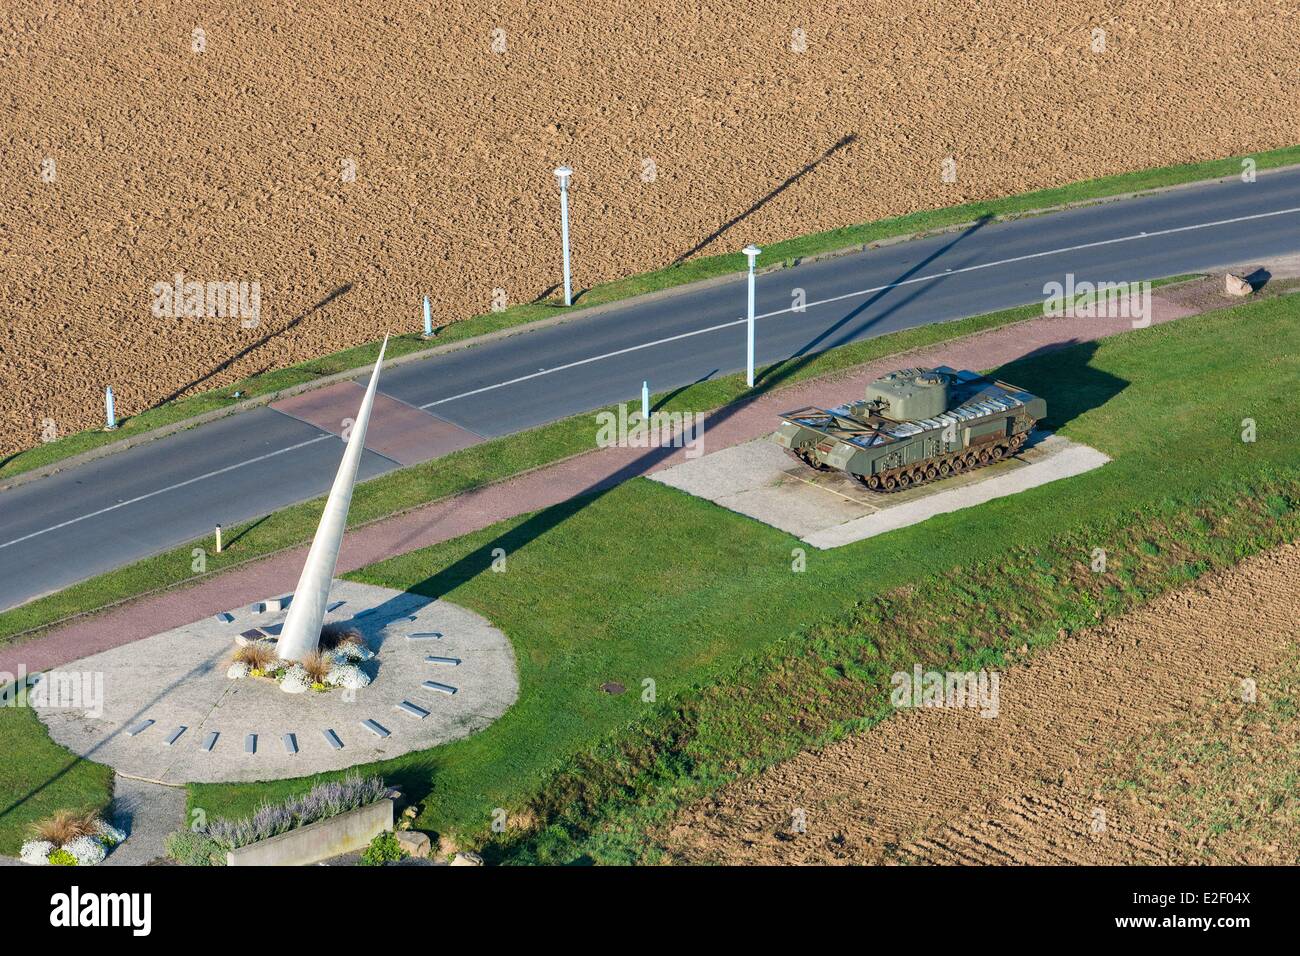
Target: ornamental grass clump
[318, 665]
[66, 826]
[336, 637]
[257, 655]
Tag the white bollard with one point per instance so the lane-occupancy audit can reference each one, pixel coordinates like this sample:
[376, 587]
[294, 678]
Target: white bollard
[428, 319]
[218, 539]
[645, 401]
[110, 416]
[751, 251]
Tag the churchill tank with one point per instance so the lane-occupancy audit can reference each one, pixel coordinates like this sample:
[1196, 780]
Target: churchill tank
[914, 425]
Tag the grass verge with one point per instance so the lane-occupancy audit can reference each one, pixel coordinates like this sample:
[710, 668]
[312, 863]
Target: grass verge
[788, 252]
[38, 777]
[751, 662]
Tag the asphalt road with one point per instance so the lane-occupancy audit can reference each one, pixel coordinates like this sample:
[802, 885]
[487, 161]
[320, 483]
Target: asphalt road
[87, 520]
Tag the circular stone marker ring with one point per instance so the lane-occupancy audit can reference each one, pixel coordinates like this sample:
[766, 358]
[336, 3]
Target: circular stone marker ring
[178, 679]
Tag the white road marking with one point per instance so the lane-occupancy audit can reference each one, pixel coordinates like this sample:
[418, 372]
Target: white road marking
[179, 484]
[852, 295]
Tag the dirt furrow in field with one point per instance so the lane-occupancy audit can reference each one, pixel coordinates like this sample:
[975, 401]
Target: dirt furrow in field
[949, 786]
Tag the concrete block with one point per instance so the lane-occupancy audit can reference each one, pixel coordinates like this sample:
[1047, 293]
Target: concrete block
[250, 744]
[332, 739]
[425, 636]
[210, 741]
[414, 842]
[412, 710]
[452, 661]
[290, 744]
[376, 728]
[345, 833]
[225, 617]
[434, 685]
[139, 728]
[175, 735]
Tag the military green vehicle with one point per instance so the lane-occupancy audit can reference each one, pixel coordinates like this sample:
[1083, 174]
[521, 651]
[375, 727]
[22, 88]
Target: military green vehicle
[915, 425]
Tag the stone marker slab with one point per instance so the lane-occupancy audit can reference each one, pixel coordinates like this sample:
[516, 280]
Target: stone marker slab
[438, 687]
[412, 710]
[175, 735]
[452, 661]
[139, 728]
[376, 728]
[290, 744]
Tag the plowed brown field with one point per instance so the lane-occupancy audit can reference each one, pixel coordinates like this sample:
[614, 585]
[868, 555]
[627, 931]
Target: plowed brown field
[1128, 743]
[128, 157]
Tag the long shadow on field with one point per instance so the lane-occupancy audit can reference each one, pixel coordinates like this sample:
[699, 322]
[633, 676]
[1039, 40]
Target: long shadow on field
[253, 347]
[842, 143]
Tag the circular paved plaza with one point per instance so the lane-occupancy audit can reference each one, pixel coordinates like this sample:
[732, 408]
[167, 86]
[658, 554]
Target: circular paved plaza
[163, 708]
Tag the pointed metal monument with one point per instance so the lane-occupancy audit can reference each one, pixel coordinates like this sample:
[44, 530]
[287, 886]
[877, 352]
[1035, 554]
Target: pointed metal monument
[301, 633]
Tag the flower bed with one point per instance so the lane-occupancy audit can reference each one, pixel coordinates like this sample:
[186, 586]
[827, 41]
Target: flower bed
[208, 845]
[71, 839]
[334, 664]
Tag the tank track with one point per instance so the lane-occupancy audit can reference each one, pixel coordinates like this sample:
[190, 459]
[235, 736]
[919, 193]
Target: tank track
[945, 466]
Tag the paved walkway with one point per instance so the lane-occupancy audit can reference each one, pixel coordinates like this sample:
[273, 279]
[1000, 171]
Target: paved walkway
[148, 813]
[551, 485]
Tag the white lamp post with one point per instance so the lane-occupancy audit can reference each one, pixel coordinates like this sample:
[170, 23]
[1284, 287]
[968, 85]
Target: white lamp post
[752, 252]
[562, 174]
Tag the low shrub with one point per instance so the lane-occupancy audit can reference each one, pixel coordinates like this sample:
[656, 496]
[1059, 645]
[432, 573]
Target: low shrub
[383, 849]
[194, 849]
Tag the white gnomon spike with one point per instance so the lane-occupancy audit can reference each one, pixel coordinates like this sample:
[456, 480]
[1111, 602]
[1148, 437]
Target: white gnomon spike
[301, 633]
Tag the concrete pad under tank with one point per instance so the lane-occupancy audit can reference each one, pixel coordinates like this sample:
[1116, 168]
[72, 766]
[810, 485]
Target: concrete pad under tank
[829, 509]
